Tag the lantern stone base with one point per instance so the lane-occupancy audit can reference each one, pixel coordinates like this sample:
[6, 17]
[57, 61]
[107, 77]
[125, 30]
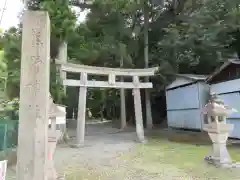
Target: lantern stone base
[77, 145]
[218, 134]
[53, 137]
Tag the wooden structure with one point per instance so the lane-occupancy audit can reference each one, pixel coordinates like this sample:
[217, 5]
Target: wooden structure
[225, 82]
[185, 97]
[84, 83]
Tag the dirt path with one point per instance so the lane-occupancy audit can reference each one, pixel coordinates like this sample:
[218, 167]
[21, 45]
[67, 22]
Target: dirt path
[102, 157]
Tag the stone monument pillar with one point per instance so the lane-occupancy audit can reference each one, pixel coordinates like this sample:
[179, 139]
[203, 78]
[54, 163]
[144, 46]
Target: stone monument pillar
[34, 89]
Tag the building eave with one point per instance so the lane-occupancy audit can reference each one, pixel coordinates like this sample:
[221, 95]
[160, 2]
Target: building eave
[219, 70]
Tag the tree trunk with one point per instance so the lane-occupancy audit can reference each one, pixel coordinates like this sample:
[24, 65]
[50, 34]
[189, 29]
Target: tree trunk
[123, 103]
[146, 60]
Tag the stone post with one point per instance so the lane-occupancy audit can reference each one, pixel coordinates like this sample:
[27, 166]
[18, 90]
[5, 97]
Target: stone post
[81, 117]
[138, 110]
[34, 97]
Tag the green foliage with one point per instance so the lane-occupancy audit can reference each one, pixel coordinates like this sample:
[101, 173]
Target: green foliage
[12, 56]
[104, 103]
[204, 35]
[185, 36]
[9, 109]
[2, 63]
[56, 86]
[3, 75]
[62, 25]
[100, 38]
[3, 66]
[63, 19]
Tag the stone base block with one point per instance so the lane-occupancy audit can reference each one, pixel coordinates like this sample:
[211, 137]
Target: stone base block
[61, 177]
[219, 133]
[217, 164]
[77, 145]
[145, 141]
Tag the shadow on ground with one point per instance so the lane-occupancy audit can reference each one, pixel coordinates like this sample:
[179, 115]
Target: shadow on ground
[112, 154]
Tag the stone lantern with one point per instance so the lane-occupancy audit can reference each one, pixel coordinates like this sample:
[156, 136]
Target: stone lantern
[218, 131]
[53, 137]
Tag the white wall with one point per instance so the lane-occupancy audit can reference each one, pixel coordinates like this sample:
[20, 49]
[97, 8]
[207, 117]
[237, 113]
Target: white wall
[225, 87]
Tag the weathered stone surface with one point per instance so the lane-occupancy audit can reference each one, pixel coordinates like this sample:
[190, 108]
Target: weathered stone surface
[53, 137]
[62, 57]
[81, 111]
[54, 109]
[34, 99]
[219, 133]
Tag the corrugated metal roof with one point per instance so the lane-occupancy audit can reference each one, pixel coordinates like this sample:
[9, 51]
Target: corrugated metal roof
[196, 77]
[186, 79]
[226, 64]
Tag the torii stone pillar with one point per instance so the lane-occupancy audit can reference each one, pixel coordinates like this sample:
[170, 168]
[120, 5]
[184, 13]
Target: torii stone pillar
[62, 57]
[81, 111]
[34, 100]
[123, 123]
[138, 110]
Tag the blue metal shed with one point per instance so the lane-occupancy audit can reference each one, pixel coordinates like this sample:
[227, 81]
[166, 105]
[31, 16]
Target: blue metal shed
[225, 82]
[185, 97]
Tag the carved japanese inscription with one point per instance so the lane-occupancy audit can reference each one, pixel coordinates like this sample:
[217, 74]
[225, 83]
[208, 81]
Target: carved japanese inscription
[34, 89]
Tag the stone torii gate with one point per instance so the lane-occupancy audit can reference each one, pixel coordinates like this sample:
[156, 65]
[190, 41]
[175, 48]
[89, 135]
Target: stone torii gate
[84, 83]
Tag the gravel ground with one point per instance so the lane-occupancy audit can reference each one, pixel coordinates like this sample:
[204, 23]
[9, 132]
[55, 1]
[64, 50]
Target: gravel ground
[102, 154]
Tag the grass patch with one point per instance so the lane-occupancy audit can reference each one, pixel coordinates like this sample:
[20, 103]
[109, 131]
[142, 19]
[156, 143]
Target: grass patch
[188, 158]
[82, 174]
[162, 159]
[87, 173]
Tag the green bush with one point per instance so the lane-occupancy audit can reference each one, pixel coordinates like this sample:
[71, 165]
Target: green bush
[10, 109]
